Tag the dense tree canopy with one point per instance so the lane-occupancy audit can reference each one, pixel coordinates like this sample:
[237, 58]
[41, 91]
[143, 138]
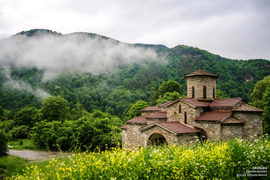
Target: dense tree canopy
[3, 144]
[92, 130]
[26, 116]
[266, 104]
[259, 91]
[1, 111]
[135, 109]
[114, 92]
[54, 109]
[167, 97]
[171, 89]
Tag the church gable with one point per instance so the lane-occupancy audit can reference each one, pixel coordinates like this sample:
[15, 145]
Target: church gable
[175, 128]
[244, 107]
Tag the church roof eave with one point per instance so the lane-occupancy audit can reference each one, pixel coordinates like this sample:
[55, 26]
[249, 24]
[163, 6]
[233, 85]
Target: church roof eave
[201, 72]
[175, 128]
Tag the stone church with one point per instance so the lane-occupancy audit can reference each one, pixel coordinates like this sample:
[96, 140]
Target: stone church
[201, 114]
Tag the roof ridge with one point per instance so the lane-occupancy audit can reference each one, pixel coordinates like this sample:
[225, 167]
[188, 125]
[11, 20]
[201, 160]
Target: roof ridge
[186, 125]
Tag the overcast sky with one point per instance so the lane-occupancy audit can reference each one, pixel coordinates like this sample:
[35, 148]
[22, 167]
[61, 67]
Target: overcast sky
[237, 29]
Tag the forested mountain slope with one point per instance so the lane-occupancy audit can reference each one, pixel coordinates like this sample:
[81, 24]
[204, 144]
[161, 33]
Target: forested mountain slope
[112, 91]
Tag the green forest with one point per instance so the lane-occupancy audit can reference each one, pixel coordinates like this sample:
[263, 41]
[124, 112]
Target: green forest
[86, 100]
[114, 92]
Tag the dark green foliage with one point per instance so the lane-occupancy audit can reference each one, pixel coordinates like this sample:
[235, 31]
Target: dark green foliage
[6, 125]
[96, 129]
[170, 86]
[45, 134]
[266, 104]
[26, 116]
[169, 96]
[1, 111]
[19, 132]
[34, 32]
[259, 90]
[54, 109]
[125, 115]
[135, 109]
[3, 145]
[171, 89]
[114, 92]
[77, 112]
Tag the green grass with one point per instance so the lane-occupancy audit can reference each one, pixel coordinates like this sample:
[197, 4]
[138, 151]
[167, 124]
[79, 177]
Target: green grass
[11, 165]
[27, 145]
[211, 160]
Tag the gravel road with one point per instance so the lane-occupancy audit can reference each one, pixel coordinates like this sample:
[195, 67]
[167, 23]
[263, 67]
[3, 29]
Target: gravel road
[33, 155]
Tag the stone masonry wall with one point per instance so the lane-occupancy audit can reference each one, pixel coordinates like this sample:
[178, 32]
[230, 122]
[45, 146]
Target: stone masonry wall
[230, 131]
[174, 115]
[198, 82]
[253, 123]
[124, 137]
[212, 129]
[153, 120]
[132, 136]
[147, 113]
[186, 138]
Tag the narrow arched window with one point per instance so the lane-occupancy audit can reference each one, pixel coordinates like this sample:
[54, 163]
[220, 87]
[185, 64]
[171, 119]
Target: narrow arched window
[193, 92]
[185, 116]
[214, 92]
[204, 92]
[179, 108]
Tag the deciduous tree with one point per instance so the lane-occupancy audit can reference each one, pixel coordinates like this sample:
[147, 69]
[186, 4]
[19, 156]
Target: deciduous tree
[258, 92]
[54, 109]
[266, 114]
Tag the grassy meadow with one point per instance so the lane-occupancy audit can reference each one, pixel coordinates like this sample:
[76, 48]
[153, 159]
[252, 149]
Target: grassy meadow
[211, 160]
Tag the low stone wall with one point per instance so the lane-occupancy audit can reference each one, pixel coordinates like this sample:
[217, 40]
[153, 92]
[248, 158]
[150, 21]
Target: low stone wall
[230, 131]
[212, 129]
[132, 136]
[187, 138]
[253, 123]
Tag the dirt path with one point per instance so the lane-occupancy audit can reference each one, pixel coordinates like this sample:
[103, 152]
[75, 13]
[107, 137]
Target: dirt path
[30, 154]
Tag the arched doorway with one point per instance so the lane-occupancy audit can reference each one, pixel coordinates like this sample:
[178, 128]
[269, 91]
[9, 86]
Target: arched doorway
[156, 139]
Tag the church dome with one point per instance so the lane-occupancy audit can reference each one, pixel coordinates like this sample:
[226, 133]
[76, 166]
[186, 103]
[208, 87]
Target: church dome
[201, 73]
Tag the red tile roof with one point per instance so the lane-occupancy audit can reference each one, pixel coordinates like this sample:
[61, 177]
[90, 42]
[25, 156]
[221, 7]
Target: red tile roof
[177, 127]
[164, 104]
[201, 73]
[150, 108]
[246, 107]
[137, 120]
[228, 102]
[158, 115]
[124, 127]
[214, 115]
[194, 102]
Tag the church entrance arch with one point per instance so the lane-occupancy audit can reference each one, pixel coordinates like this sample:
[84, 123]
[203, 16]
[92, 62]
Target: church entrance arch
[156, 139]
